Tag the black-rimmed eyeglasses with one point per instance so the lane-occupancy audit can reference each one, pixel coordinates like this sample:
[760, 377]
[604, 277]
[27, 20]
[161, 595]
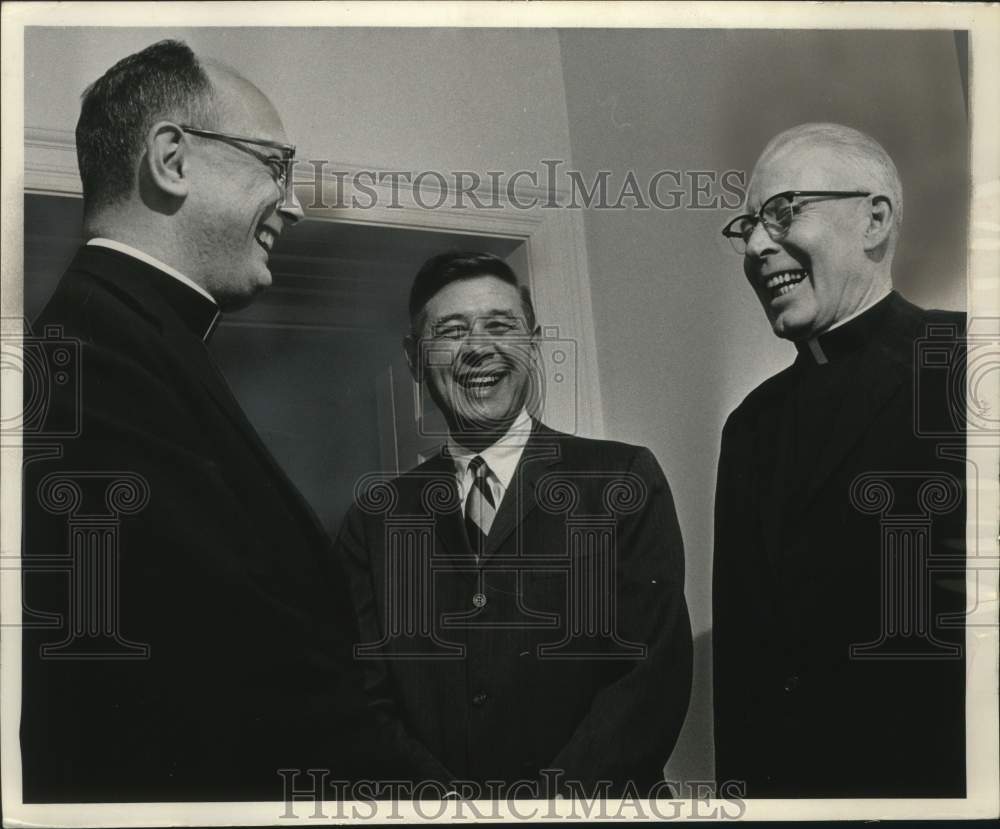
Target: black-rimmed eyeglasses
[281, 167]
[776, 215]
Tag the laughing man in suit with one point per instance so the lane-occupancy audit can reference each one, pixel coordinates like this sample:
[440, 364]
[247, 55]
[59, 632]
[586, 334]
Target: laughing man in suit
[840, 521]
[216, 648]
[520, 594]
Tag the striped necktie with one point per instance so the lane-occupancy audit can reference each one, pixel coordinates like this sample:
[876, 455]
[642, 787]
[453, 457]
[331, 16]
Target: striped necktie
[480, 508]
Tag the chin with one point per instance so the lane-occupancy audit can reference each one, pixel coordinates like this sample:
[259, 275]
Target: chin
[794, 323]
[483, 422]
[792, 331]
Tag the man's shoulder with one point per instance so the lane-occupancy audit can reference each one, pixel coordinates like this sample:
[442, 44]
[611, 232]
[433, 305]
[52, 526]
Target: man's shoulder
[585, 452]
[578, 447]
[915, 322]
[88, 308]
[772, 390]
[945, 323]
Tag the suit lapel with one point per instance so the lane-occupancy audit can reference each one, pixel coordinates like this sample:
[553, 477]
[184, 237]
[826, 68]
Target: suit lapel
[542, 451]
[437, 476]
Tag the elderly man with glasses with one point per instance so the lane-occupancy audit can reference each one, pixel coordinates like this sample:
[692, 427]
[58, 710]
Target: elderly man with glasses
[840, 517]
[198, 637]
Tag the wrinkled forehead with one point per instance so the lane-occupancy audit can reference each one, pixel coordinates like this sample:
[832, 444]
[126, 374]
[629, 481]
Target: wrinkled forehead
[796, 167]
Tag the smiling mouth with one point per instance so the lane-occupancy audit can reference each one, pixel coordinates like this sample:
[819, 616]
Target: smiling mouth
[481, 382]
[784, 282]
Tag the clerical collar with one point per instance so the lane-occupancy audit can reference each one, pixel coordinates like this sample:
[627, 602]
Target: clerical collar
[193, 303]
[846, 337]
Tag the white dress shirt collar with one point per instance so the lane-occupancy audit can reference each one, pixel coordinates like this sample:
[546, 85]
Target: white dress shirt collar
[502, 457]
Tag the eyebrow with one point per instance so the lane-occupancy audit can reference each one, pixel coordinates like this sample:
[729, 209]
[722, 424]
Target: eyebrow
[458, 315]
[448, 318]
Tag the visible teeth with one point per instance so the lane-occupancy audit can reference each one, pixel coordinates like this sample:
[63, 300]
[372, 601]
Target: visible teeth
[782, 283]
[483, 380]
[778, 280]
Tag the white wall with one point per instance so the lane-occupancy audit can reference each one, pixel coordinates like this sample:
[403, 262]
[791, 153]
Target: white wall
[439, 99]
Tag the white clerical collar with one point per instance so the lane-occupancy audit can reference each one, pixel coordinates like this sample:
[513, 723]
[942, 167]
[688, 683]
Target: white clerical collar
[128, 250]
[813, 343]
[502, 457]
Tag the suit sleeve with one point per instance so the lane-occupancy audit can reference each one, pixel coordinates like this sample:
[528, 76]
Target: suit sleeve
[352, 552]
[633, 723]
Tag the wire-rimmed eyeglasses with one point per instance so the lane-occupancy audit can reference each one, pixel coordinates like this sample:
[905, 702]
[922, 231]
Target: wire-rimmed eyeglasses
[281, 167]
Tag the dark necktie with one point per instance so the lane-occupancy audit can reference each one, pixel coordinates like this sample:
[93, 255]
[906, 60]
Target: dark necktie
[480, 508]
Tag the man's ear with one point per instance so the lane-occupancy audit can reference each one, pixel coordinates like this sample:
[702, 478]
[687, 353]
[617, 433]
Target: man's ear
[880, 218]
[410, 349]
[166, 162]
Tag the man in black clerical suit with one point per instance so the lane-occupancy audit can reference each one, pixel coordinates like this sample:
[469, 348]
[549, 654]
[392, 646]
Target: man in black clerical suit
[521, 593]
[198, 631]
[840, 518]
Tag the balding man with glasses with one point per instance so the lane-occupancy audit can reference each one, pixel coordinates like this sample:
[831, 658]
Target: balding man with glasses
[196, 631]
[840, 516]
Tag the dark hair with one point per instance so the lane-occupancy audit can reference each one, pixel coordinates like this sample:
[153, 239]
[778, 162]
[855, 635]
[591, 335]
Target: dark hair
[445, 268]
[163, 80]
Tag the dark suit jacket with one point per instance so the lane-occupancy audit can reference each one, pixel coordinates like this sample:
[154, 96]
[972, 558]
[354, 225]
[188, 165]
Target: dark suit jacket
[807, 569]
[223, 572]
[580, 658]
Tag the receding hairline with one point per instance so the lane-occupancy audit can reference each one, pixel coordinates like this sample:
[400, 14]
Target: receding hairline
[232, 94]
[845, 147]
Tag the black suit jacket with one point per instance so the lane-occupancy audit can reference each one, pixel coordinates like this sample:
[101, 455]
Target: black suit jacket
[567, 647]
[834, 672]
[214, 646]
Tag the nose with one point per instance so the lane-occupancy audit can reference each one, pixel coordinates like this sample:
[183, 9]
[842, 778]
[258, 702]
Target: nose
[289, 207]
[479, 345]
[760, 242]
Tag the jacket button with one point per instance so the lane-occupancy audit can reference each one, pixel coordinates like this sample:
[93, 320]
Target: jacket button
[479, 599]
[791, 683]
[480, 698]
